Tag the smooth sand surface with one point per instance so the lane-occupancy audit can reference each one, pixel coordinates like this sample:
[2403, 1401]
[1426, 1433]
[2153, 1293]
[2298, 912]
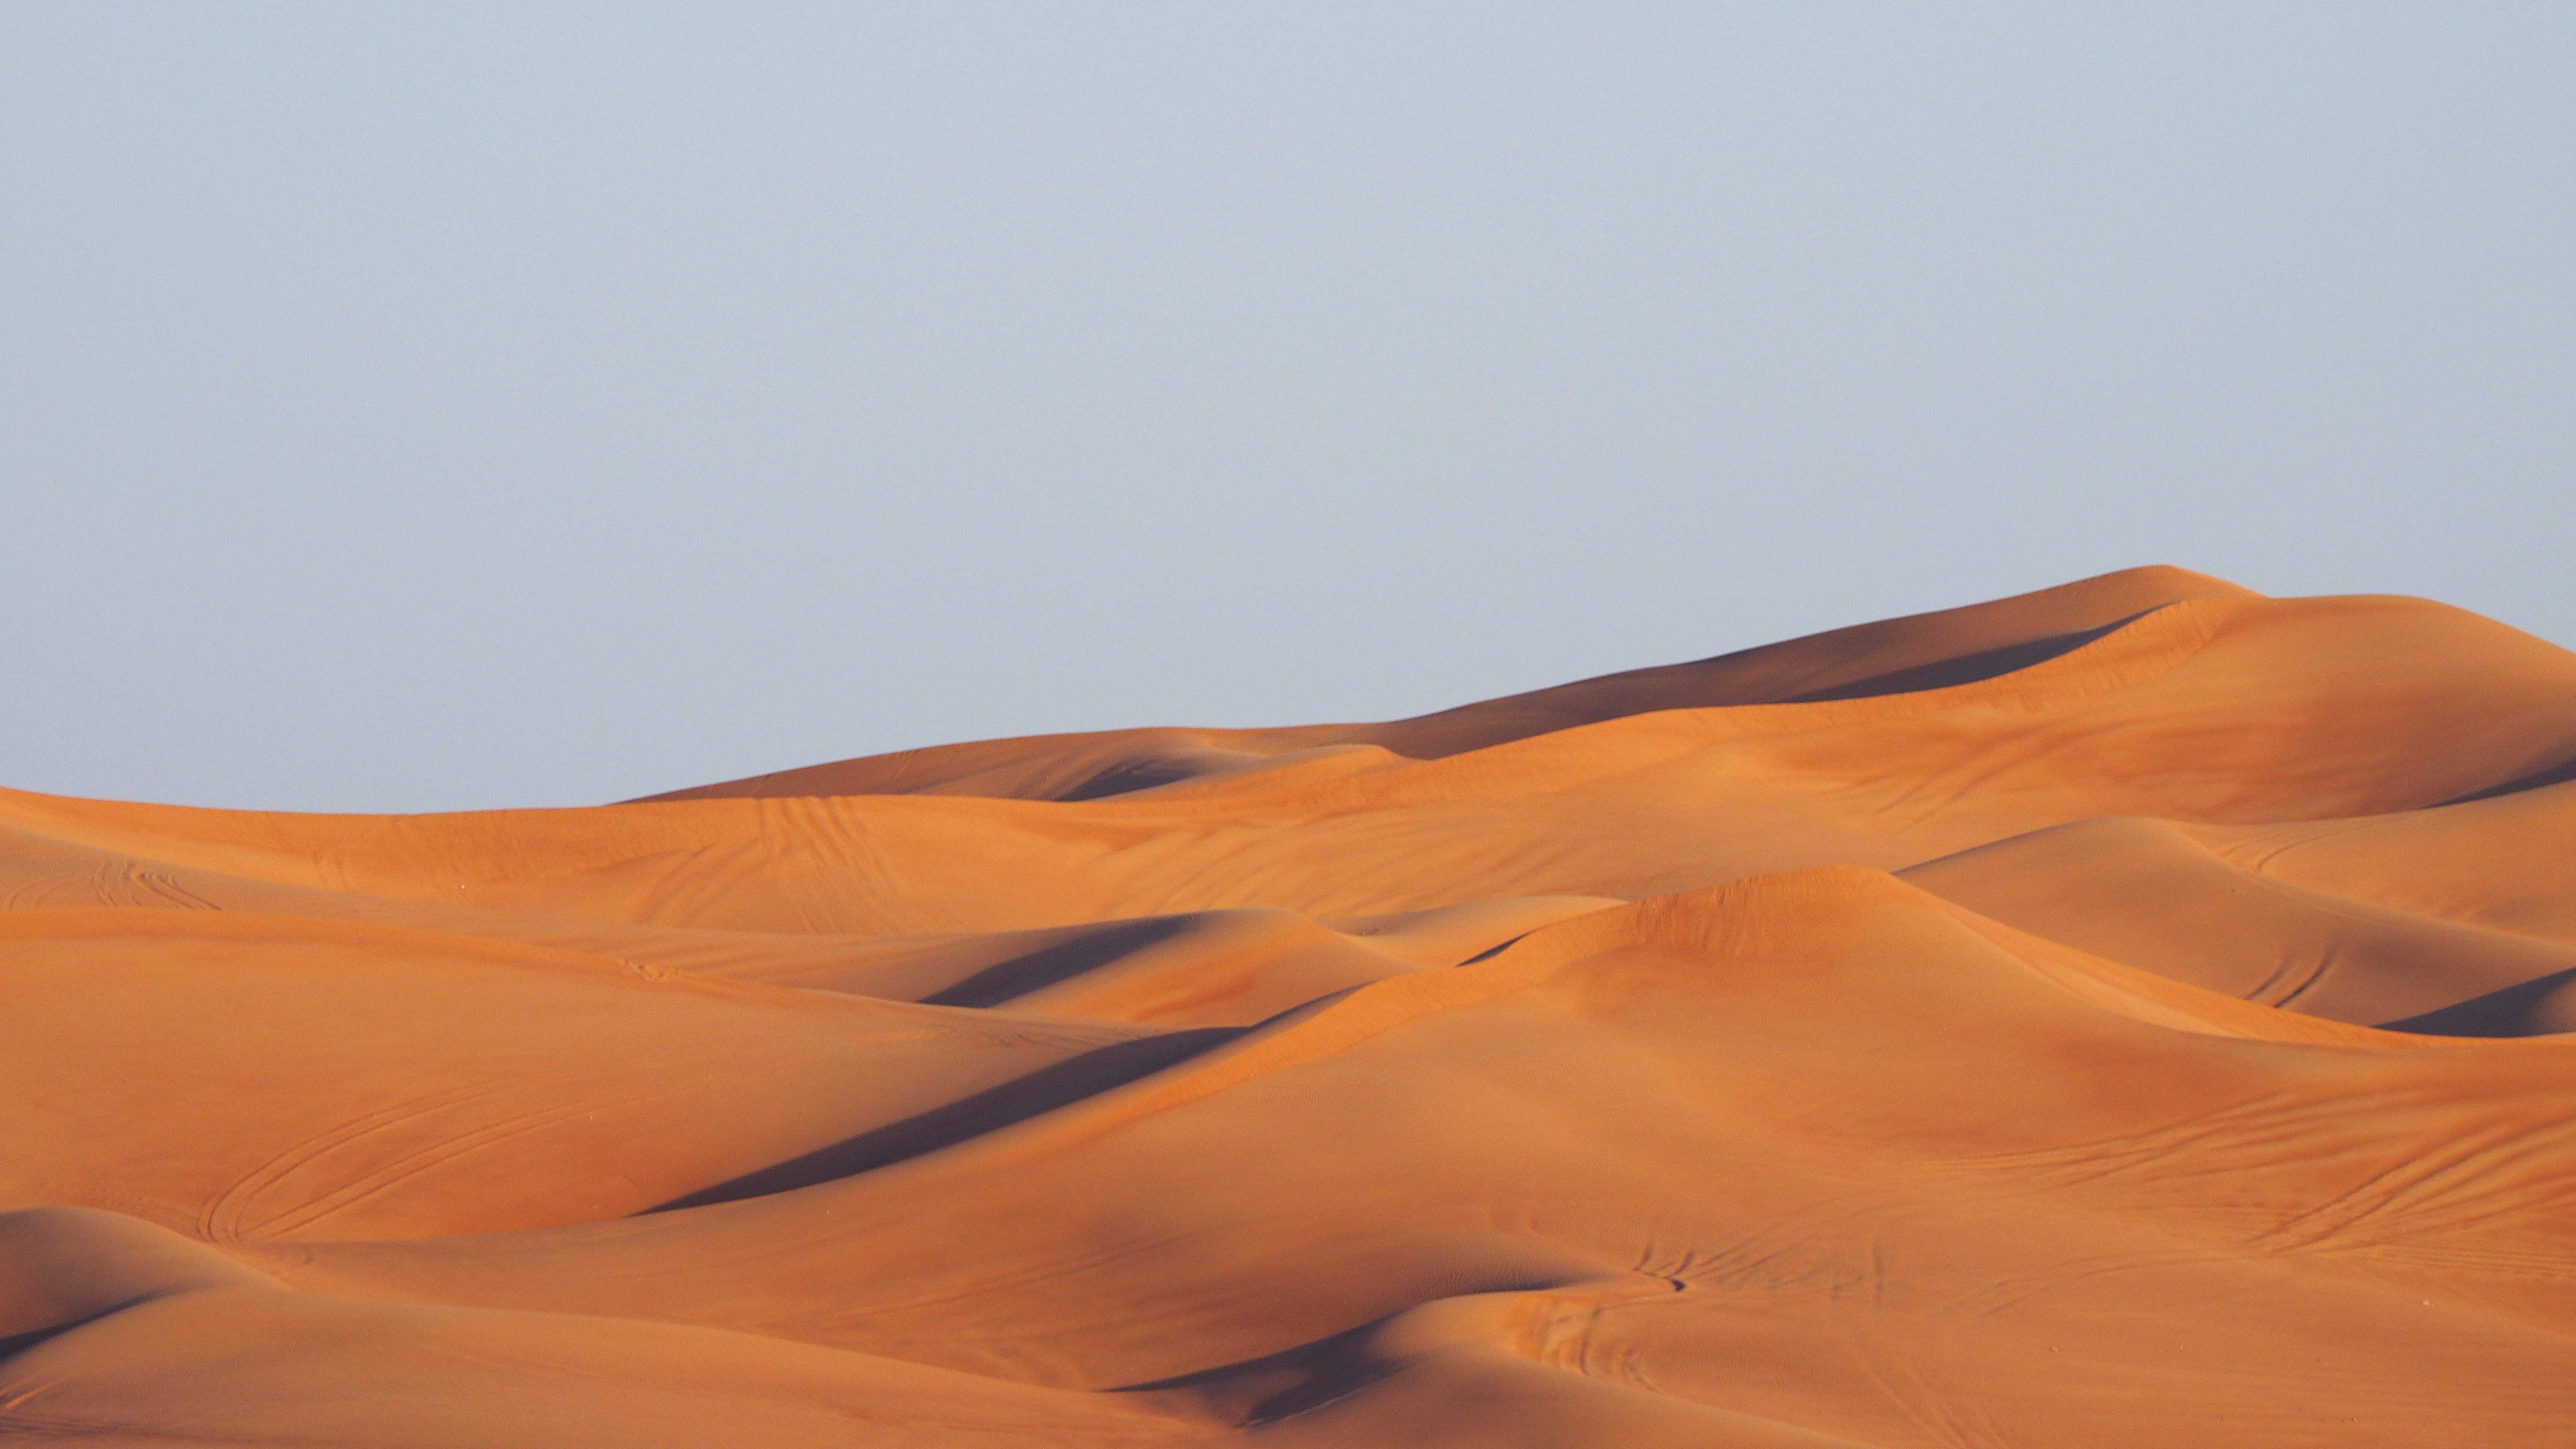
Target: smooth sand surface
[2126, 1014]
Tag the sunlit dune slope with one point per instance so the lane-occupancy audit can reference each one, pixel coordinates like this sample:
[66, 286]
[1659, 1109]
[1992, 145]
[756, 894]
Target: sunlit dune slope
[2128, 1014]
[2147, 892]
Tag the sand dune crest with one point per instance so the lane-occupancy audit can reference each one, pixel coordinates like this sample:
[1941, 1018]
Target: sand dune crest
[2129, 1013]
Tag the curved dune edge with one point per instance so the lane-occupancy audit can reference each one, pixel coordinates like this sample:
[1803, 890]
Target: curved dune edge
[2159, 894]
[2490, 863]
[859, 866]
[281, 848]
[1736, 921]
[111, 1288]
[2137, 651]
[2087, 1017]
[1893, 655]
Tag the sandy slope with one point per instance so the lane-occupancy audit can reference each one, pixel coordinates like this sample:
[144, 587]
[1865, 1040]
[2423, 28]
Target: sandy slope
[2122, 1015]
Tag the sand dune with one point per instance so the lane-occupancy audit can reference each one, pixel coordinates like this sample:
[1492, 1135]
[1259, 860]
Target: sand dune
[2148, 893]
[2126, 1014]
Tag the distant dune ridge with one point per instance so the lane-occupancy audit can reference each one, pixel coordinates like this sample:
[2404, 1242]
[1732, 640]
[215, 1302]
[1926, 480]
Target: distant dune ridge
[2133, 1013]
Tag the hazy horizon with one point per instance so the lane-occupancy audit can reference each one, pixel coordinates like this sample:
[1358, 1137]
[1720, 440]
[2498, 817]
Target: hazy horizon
[488, 407]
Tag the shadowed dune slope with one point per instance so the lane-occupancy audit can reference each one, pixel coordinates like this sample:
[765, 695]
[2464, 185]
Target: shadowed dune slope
[2126, 1014]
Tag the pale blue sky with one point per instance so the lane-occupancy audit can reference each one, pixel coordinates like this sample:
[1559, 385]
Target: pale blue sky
[466, 405]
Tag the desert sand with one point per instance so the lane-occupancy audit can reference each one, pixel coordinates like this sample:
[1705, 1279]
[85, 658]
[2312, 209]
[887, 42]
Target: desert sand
[2125, 1014]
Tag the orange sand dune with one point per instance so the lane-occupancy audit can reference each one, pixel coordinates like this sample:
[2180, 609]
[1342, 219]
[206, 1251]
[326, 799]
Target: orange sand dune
[2148, 893]
[1928, 650]
[2126, 1014]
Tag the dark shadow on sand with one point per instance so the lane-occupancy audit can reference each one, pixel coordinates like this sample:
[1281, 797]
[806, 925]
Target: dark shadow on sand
[1017, 1100]
[1965, 668]
[2537, 779]
[1062, 961]
[1133, 775]
[2508, 1012]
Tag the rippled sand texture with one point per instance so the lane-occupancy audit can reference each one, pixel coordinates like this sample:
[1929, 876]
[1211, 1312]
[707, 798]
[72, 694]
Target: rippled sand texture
[2117, 1015]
